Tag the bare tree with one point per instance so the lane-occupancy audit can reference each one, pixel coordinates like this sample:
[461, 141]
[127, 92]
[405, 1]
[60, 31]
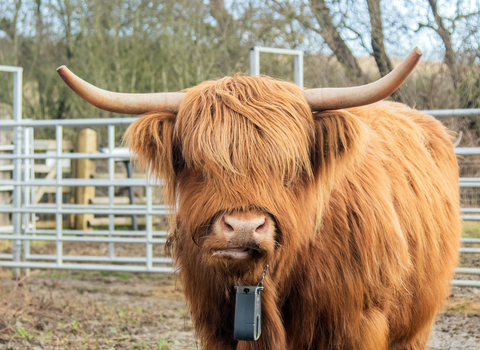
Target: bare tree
[444, 33]
[383, 61]
[225, 22]
[10, 27]
[377, 39]
[154, 45]
[226, 31]
[334, 40]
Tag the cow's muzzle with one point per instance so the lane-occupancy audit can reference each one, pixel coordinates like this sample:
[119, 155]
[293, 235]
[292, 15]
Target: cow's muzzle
[242, 234]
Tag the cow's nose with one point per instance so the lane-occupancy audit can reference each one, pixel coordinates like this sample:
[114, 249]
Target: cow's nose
[245, 224]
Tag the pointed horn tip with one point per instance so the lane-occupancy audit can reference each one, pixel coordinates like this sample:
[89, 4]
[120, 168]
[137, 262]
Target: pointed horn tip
[418, 51]
[63, 72]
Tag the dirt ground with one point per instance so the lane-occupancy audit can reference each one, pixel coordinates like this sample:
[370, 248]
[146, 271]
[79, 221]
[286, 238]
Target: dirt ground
[94, 310]
[58, 310]
[458, 326]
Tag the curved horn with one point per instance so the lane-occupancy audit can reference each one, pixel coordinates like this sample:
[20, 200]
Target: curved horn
[338, 98]
[119, 102]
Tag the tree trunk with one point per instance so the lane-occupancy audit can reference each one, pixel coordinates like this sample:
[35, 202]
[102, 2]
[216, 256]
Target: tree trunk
[383, 61]
[332, 38]
[225, 21]
[450, 59]
[18, 4]
[226, 29]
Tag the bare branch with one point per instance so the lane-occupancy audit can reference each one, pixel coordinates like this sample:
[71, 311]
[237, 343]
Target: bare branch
[462, 16]
[450, 57]
[359, 36]
[333, 39]
[423, 25]
[304, 21]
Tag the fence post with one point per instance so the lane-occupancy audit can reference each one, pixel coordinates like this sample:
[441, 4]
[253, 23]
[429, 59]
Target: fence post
[86, 143]
[17, 173]
[5, 165]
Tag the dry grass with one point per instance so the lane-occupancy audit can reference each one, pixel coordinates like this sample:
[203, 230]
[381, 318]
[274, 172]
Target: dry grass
[92, 311]
[468, 306]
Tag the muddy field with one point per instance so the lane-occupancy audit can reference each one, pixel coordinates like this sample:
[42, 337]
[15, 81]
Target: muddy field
[77, 310]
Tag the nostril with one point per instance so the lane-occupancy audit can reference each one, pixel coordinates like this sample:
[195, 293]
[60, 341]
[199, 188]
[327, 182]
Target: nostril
[263, 227]
[244, 224]
[226, 226]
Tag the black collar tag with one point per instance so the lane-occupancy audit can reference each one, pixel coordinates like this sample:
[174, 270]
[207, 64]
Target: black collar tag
[248, 313]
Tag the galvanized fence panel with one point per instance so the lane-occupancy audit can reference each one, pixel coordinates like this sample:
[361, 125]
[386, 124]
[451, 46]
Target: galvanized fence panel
[24, 208]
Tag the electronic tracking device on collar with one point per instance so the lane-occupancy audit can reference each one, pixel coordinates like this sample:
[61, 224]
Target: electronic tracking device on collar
[248, 313]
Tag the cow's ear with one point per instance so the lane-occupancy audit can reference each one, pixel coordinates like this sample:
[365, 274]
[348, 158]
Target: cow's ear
[150, 138]
[340, 140]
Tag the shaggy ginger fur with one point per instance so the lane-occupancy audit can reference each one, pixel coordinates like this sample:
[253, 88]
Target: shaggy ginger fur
[365, 204]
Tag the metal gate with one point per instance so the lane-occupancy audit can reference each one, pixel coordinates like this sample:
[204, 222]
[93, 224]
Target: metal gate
[465, 182]
[24, 208]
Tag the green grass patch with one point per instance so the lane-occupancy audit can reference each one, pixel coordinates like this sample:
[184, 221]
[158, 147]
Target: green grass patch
[122, 275]
[40, 243]
[5, 244]
[89, 275]
[163, 344]
[78, 275]
[23, 333]
[471, 229]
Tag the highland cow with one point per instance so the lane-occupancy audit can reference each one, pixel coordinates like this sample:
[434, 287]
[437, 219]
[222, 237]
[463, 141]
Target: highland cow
[354, 208]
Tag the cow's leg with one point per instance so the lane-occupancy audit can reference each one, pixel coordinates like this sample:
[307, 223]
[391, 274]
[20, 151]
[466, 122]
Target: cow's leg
[273, 331]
